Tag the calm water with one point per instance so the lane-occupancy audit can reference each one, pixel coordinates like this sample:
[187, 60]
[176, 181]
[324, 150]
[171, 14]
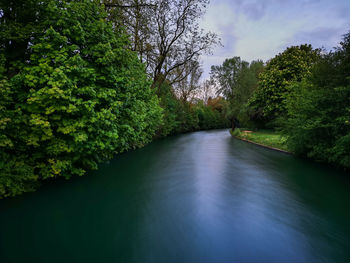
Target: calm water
[199, 197]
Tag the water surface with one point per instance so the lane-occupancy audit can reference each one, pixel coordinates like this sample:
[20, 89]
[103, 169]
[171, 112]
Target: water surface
[199, 197]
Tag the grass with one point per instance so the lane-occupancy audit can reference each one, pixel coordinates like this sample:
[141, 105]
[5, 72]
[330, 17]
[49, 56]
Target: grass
[268, 138]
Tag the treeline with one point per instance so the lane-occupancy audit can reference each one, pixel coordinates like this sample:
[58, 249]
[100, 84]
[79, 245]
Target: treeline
[83, 80]
[303, 92]
[184, 116]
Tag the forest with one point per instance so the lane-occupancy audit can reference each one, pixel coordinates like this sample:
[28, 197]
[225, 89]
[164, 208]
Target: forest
[81, 81]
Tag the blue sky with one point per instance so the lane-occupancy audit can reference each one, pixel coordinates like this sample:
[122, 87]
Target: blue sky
[260, 29]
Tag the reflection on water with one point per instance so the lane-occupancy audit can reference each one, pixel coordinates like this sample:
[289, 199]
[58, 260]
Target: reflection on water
[199, 197]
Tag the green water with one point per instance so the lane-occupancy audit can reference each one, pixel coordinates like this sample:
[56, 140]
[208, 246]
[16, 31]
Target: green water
[199, 197]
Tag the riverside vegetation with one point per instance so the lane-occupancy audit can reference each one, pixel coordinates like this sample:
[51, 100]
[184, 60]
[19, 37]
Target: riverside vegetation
[81, 81]
[302, 93]
[74, 89]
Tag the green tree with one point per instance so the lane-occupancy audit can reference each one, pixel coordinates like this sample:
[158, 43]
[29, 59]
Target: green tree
[237, 80]
[318, 123]
[226, 76]
[81, 97]
[275, 81]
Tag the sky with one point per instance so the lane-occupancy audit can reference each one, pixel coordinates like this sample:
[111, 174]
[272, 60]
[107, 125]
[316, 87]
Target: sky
[260, 29]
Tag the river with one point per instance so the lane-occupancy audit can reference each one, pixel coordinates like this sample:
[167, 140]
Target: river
[199, 197]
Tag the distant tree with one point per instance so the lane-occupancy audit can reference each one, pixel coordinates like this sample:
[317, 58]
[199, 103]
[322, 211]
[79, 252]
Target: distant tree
[226, 76]
[218, 103]
[188, 87]
[237, 80]
[207, 90]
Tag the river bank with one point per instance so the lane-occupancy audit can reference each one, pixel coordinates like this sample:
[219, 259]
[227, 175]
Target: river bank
[264, 138]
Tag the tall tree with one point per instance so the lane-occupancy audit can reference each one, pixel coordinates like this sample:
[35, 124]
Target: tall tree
[318, 110]
[227, 76]
[275, 82]
[136, 17]
[236, 80]
[166, 34]
[207, 90]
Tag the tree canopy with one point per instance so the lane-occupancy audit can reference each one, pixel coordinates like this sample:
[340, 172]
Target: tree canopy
[318, 121]
[275, 81]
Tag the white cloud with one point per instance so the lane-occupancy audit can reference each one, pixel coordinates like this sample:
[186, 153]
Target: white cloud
[256, 29]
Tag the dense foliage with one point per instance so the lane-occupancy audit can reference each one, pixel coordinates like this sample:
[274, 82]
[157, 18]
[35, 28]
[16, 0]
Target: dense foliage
[20, 22]
[73, 94]
[73, 98]
[275, 81]
[318, 123]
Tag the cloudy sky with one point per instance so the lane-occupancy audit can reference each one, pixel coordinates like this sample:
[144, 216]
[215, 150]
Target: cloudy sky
[260, 29]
